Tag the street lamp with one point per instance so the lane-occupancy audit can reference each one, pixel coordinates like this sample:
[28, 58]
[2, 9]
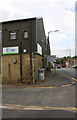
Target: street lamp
[69, 50]
[52, 31]
[47, 43]
[48, 36]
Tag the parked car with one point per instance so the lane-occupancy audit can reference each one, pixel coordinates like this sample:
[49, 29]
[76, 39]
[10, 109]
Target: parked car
[58, 66]
[75, 66]
[64, 64]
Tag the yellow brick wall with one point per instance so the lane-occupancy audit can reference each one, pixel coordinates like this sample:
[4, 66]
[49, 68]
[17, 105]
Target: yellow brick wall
[38, 64]
[12, 74]
[26, 67]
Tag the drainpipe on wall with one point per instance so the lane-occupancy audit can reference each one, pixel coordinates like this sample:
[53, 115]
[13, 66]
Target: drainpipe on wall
[20, 47]
[33, 77]
[9, 72]
[32, 67]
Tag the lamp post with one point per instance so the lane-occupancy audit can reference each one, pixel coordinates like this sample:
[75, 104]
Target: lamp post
[47, 42]
[49, 33]
[69, 50]
[52, 31]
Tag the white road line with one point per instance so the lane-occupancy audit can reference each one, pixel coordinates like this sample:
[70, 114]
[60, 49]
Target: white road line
[33, 109]
[72, 109]
[21, 108]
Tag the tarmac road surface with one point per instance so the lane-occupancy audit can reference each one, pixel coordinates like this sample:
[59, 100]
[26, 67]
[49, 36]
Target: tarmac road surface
[53, 98]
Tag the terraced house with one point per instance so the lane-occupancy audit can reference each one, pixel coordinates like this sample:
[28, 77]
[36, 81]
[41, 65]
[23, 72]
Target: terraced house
[24, 50]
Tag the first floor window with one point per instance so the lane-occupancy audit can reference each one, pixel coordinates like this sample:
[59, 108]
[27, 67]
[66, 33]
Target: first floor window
[12, 35]
[0, 36]
[25, 34]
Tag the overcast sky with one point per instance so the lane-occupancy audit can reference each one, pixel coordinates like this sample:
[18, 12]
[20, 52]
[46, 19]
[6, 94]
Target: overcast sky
[56, 14]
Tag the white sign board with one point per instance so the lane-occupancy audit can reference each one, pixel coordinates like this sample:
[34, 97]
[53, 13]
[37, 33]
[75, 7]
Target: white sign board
[39, 49]
[11, 50]
[51, 58]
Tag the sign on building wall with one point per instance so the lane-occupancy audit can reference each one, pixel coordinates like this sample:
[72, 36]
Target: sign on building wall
[39, 49]
[11, 50]
[51, 58]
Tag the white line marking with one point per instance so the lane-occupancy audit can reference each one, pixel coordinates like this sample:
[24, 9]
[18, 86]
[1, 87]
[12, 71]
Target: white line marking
[72, 109]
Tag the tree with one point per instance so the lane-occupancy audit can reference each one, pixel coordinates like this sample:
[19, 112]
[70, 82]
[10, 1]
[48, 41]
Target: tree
[68, 56]
[74, 56]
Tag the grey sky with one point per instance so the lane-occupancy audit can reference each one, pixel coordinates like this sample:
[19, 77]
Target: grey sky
[57, 14]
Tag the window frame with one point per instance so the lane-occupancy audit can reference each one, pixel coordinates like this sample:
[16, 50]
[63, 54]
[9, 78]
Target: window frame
[25, 36]
[1, 35]
[11, 33]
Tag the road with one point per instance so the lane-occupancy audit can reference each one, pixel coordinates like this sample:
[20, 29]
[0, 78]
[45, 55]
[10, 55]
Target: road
[42, 101]
[70, 72]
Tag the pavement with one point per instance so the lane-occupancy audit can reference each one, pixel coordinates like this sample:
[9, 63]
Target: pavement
[56, 79]
[53, 78]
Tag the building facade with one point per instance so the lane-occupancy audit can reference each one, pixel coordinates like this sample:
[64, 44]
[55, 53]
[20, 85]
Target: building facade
[0, 46]
[24, 50]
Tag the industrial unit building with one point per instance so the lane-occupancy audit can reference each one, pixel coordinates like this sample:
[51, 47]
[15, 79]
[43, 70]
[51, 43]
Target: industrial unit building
[0, 47]
[24, 50]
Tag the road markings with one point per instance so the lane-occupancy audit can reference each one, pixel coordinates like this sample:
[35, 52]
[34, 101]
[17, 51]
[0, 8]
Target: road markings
[20, 107]
[66, 85]
[74, 79]
[55, 86]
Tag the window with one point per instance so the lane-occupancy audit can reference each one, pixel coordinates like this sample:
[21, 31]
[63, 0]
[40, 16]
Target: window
[0, 36]
[25, 34]
[12, 35]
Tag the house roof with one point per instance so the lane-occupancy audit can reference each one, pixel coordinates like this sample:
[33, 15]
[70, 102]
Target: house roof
[18, 20]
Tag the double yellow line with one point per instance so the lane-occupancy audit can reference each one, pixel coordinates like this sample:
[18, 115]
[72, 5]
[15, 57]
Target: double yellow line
[74, 79]
[13, 106]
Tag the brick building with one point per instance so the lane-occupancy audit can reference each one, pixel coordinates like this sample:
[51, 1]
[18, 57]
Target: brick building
[24, 50]
[0, 56]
